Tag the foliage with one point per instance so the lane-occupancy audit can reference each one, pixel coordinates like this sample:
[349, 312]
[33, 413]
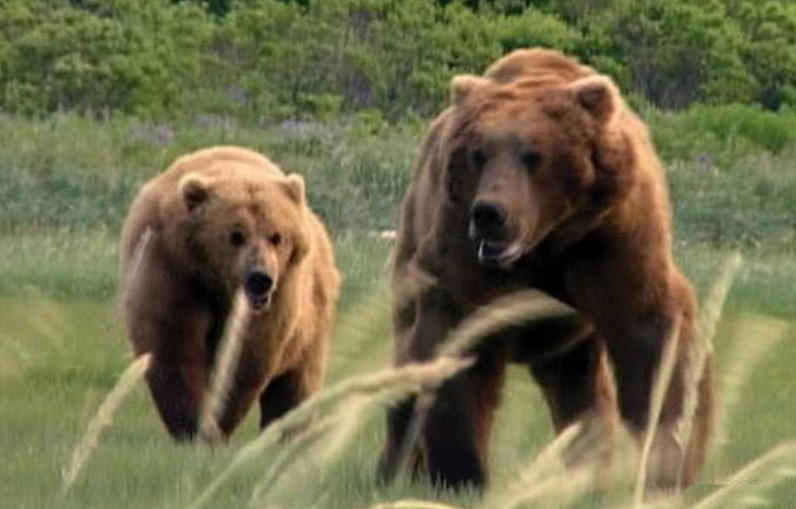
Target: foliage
[680, 52]
[135, 57]
[267, 60]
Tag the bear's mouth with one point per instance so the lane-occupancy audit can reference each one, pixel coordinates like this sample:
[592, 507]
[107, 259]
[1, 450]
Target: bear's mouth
[258, 303]
[496, 254]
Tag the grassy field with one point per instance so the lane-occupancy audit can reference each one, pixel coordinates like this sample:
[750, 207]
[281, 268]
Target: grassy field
[65, 183]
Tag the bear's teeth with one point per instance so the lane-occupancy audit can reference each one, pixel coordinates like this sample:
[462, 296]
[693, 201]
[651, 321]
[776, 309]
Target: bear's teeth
[487, 252]
[496, 253]
[257, 303]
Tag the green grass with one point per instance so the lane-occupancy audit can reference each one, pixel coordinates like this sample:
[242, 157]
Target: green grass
[62, 356]
[65, 183]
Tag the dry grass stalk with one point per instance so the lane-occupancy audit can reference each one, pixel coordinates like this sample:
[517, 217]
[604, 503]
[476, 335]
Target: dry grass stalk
[286, 459]
[761, 474]
[412, 504]
[703, 346]
[223, 370]
[388, 385]
[547, 476]
[519, 307]
[547, 461]
[104, 417]
[659, 390]
[714, 303]
[558, 490]
[322, 501]
[321, 442]
[757, 336]
[137, 257]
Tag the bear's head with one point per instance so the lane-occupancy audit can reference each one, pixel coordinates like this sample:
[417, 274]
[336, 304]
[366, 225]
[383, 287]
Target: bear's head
[526, 158]
[244, 229]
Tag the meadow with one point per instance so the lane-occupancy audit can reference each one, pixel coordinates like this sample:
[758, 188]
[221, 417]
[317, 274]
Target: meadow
[66, 181]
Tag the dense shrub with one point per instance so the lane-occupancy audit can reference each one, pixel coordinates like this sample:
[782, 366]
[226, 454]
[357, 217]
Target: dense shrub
[274, 59]
[126, 55]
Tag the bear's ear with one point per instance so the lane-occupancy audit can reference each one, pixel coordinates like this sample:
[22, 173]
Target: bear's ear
[194, 190]
[294, 187]
[464, 85]
[597, 95]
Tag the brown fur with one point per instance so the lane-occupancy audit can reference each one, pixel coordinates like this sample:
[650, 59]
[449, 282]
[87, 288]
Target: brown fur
[179, 281]
[553, 147]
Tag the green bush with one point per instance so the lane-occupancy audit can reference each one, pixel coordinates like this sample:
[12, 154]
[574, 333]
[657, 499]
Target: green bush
[392, 55]
[125, 55]
[725, 132]
[267, 60]
[773, 132]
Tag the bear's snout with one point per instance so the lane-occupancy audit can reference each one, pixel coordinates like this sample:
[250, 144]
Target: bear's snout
[489, 220]
[258, 286]
[489, 228]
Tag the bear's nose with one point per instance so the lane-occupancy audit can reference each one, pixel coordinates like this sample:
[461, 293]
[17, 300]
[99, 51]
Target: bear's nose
[258, 283]
[489, 220]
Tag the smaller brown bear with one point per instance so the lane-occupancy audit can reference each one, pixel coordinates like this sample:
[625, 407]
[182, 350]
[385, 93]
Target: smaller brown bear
[218, 222]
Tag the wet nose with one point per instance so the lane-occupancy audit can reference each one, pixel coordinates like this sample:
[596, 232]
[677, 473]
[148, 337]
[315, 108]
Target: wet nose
[489, 220]
[258, 283]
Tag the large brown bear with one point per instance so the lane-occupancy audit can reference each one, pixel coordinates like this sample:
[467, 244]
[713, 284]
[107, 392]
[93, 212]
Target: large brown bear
[220, 221]
[540, 176]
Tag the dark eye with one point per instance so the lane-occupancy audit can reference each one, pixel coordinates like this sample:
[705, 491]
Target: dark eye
[275, 239]
[479, 157]
[237, 238]
[530, 160]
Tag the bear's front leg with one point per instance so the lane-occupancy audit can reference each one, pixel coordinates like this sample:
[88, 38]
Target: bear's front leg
[458, 425]
[420, 322]
[164, 319]
[252, 371]
[176, 379]
[637, 350]
[454, 430]
[290, 388]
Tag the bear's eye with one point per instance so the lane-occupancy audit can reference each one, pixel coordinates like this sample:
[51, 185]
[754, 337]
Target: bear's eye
[275, 239]
[530, 159]
[237, 238]
[479, 157]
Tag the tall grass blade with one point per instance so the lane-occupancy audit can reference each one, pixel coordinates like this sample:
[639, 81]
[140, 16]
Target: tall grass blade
[104, 417]
[757, 336]
[702, 348]
[519, 307]
[546, 476]
[773, 467]
[287, 458]
[397, 383]
[224, 370]
[659, 389]
[311, 453]
[412, 504]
